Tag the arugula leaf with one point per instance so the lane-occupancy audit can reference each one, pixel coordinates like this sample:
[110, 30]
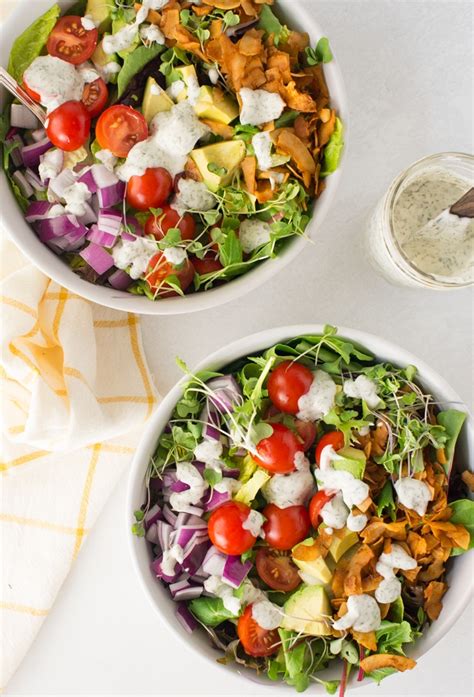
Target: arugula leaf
[452, 421]
[392, 635]
[333, 150]
[210, 611]
[212, 477]
[270, 23]
[463, 514]
[287, 118]
[30, 43]
[230, 250]
[385, 501]
[134, 63]
[379, 674]
[321, 54]
[297, 661]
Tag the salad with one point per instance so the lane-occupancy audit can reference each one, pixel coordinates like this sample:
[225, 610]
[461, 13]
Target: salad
[303, 506]
[184, 142]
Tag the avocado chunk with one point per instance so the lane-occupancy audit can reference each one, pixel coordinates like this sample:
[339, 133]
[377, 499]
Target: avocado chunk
[155, 100]
[187, 73]
[217, 163]
[117, 25]
[250, 489]
[342, 541]
[307, 611]
[214, 104]
[350, 460]
[100, 59]
[315, 566]
[100, 11]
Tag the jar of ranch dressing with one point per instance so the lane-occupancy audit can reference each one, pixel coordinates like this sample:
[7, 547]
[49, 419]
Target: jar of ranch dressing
[412, 238]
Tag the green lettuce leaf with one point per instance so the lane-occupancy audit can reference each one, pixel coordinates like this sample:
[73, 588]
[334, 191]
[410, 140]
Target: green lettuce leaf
[385, 502]
[452, 421]
[463, 514]
[333, 150]
[22, 200]
[270, 23]
[392, 635]
[379, 674]
[134, 63]
[29, 45]
[210, 611]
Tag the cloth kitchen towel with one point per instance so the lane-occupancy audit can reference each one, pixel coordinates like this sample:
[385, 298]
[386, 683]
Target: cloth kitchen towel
[75, 392]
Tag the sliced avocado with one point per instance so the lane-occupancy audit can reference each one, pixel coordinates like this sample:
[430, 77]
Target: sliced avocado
[247, 467]
[342, 541]
[217, 163]
[307, 611]
[307, 557]
[155, 100]
[250, 489]
[214, 104]
[117, 25]
[350, 460]
[186, 72]
[100, 11]
[100, 59]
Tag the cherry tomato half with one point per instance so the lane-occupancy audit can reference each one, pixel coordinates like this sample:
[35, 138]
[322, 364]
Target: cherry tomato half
[316, 505]
[285, 527]
[70, 41]
[159, 225]
[34, 95]
[94, 96]
[287, 383]
[277, 452]
[276, 568]
[226, 531]
[209, 264]
[119, 128]
[150, 190]
[159, 269]
[256, 640]
[334, 438]
[307, 432]
[68, 126]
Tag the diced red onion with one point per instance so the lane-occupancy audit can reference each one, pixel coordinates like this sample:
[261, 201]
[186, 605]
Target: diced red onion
[120, 280]
[187, 532]
[226, 393]
[109, 221]
[183, 519]
[87, 178]
[169, 477]
[194, 554]
[178, 487]
[38, 134]
[134, 226]
[152, 516]
[89, 216]
[34, 180]
[169, 516]
[15, 154]
[210, 418]
[152, 534]
[63, 181]
[104, 239]
[158, 571]
[231, 472]
[194, 510]
[200, 466]
[235, 571]
[216, 499]
[164, 531]
[38, 210]
[97, 258]
[110, 190]
[31, 153]
[23, 184]
[63, 232]
[22, 117]
[214, 562]
[188, 593]
[185, 618]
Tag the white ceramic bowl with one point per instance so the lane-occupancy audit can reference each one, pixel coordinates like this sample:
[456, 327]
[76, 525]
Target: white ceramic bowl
[53, 267]
[460, 577]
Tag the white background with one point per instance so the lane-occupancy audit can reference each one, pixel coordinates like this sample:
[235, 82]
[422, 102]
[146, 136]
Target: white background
[407, 66]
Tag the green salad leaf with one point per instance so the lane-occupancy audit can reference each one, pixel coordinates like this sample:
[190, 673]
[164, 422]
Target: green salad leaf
[385, 503]
[270, 23]
[134, 63]
[452, 421]
[31, 42]
[210, 611]
[379, 674]
[392, 635]
[321, 54]
[333, 150]
[21, 199]
[463, 514]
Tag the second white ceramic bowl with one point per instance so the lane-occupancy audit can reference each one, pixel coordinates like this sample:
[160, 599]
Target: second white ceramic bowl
[460, 576]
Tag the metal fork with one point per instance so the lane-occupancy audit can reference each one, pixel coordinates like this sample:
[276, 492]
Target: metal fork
[12, 86]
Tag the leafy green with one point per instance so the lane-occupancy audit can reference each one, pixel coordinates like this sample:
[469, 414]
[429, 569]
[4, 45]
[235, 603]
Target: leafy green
[321, 54]
[22, 200]
[31, 42]
[463, 514]
[287, 118]
[397, 610]
[392, 635]
[212, 477]
[379, 674]
[452, 421]
[78, 9]
[333, 150]
[138, 528]
[169, 59]
[270, 23]
[230, 249]
[134, 63]
[329, 685]
[200, 26]
[210, 611]
[215, 169]
[385, 503]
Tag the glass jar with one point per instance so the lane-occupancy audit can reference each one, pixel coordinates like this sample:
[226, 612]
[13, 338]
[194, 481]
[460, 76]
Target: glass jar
[384, 250]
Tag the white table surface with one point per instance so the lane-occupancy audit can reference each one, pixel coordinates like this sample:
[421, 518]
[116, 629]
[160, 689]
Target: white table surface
[409, 79]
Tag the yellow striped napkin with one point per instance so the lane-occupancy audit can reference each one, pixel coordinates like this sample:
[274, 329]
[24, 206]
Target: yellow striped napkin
[76, 391]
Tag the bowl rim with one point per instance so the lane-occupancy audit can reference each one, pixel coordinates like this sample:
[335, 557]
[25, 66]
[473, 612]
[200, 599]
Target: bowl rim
[246, 346]
[20, 232]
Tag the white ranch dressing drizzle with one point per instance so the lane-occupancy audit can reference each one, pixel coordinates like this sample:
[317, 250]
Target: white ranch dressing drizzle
[214, 585]
[266, 614]
[390, 588]
[189, 474]
[259, 106]
[194, 196]
[356, 523]
[363, 614]
[254, 523]
[56, 81]
[209, 452]
[253, 233]
[354, 491]
[433, 239]
[362, 388]
[413, 494]
[135, 254]
[170, 558]
[335, 512]
[175, 255]
[294, 489]
[262, 145]
[319, 399]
